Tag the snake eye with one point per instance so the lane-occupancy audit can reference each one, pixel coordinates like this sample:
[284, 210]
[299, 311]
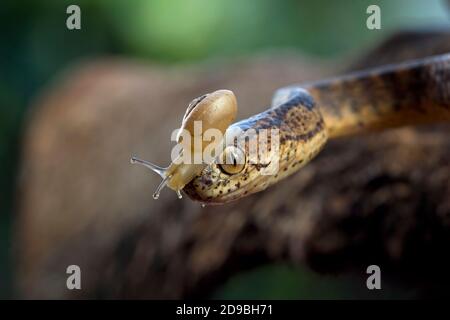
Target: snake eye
[232, 160]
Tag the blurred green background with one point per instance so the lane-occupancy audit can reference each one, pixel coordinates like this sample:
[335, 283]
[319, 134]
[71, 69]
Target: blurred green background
[35, 45]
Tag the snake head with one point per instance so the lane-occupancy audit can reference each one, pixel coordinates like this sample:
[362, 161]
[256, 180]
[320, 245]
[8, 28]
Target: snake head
[231, 176]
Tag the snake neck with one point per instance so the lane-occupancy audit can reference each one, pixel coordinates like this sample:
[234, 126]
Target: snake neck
[410, 93]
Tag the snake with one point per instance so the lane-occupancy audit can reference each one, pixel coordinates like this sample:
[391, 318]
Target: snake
[306, 116]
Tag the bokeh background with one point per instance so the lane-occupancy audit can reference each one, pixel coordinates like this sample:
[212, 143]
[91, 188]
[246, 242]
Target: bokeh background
[35, 47]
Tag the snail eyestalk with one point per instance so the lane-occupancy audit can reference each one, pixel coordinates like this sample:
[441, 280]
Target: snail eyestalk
[159, 170]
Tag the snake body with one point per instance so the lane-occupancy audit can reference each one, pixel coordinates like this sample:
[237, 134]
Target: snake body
[409, 93]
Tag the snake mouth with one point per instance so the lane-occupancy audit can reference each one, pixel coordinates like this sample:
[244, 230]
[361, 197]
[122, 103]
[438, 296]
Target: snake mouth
[213, 186]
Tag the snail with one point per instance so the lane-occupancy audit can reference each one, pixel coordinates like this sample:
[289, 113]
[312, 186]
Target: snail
[216, 110]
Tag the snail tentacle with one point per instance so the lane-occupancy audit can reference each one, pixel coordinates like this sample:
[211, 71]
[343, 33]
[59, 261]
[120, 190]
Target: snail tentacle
[159, 170]
[160, 187]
